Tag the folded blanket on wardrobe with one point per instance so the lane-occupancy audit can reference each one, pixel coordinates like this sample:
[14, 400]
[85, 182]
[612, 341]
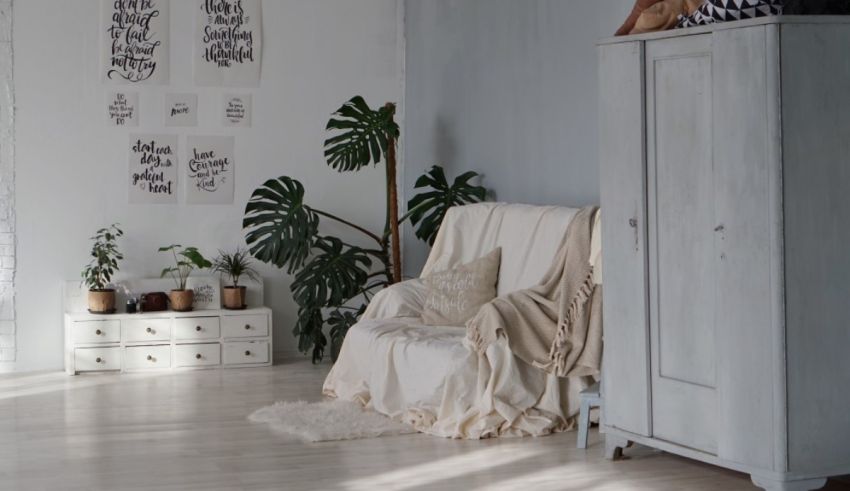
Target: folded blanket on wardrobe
[712, 11]
[557, 325]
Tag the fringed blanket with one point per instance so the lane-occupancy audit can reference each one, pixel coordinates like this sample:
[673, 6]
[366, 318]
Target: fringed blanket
[557, 325]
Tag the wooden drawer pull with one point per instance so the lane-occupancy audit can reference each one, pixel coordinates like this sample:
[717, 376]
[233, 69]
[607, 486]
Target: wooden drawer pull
[98, 360]
[150, 358]
[98, 332]
[247, 327]
[247, 353]
[198, 328]
[149, 330]
[198, 356]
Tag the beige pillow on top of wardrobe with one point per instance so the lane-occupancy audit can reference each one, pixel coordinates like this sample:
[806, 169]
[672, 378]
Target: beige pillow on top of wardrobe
[455, 295]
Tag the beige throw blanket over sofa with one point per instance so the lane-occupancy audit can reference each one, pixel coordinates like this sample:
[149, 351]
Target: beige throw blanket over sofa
[556, 325]
[433, 377]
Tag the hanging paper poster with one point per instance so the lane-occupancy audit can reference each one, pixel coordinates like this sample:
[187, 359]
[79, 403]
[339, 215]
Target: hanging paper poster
[122, 108]
[237, 110]
[153, 169]
[228, 43]
[135, 41]
[181, 110]
[209, 170]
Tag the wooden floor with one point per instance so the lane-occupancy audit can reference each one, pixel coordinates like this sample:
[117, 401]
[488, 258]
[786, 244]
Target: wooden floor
[188, 430]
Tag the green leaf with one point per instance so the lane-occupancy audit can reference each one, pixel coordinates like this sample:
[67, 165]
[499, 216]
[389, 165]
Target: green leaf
[427, 210]
[195, 258]
[333, 276]
[280, 228]
[361, 135]
[340, 322]
[308, 329]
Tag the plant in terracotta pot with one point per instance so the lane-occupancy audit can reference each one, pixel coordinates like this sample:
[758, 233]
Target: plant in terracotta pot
[98, 274]
[232, 266]
[186, 259]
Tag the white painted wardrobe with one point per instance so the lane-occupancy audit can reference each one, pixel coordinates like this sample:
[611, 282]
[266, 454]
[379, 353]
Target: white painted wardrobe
[725, 184]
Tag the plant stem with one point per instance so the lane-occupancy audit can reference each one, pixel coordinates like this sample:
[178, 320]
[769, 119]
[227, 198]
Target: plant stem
[346, 222]
[392, 199]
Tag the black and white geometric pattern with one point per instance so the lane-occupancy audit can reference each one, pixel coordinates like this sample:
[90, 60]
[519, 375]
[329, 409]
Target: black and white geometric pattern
[712, 11]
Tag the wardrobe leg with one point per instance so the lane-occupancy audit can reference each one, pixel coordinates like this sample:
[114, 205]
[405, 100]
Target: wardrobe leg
[614, 446]
[769, 484]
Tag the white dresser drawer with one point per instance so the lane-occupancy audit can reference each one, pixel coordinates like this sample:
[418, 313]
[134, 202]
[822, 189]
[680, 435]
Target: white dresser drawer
[240, 353]
[245, 326]
[143, 357]
[197, 355]
[193, 328]
[145, 330]
[86, 332]
[93, 359]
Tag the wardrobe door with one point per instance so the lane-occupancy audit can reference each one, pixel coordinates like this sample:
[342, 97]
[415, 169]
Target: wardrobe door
[625, 374]
[747, 178]
[683, 297]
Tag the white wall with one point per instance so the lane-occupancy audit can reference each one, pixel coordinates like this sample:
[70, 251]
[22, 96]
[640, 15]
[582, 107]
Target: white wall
[506, 88]
[72, 168]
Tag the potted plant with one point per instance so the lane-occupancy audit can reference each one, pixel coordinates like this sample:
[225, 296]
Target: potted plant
[186, 260]
[104, 264]
[232, 266]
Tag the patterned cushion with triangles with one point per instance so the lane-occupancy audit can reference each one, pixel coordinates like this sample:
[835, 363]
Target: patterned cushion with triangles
[727, 10]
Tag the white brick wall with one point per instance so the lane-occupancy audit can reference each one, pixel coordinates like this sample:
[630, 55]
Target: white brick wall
[7, 189]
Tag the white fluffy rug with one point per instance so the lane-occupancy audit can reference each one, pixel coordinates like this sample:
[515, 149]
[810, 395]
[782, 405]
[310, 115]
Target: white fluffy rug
[327, 420]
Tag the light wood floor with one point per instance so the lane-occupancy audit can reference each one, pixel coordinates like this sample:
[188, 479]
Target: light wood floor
[188, 430]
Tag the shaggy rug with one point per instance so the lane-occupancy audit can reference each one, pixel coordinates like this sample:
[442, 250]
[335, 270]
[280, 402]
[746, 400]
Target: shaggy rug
[327, 421]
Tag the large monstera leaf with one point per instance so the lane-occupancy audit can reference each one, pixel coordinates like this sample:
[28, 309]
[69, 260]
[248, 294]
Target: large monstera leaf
[362, 135]
[280, 228]
[428, 209]
[332, 276]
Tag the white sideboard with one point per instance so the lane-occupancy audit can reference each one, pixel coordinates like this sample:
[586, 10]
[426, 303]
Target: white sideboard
[168, 340]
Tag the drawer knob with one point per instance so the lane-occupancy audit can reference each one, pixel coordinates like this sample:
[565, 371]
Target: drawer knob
[198, 356]
[247, 327]
[98, 359]
[247, 353]
[150, 358]
[149, 330]
[198, 328]
[98, 332]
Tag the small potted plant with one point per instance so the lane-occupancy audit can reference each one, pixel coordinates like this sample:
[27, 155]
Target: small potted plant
[104, 264]
[232, 266]
[186, 260]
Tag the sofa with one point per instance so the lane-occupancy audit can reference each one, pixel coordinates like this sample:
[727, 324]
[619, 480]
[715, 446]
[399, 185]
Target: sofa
[427, 375]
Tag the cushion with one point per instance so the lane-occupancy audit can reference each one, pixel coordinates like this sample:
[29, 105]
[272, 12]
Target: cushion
[455, 295]
[629, 24]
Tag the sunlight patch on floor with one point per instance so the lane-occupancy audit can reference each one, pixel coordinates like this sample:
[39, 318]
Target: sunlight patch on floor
[448, 468]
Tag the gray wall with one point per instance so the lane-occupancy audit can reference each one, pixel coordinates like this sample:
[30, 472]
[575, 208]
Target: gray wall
[506, 88]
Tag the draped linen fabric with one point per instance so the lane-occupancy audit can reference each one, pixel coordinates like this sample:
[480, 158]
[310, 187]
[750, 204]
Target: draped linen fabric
[429, 376]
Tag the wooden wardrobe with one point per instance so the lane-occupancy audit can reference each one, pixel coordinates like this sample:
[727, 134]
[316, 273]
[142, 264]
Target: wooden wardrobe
[725, 187]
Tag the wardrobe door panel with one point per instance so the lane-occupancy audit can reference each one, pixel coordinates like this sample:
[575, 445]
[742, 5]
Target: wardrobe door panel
[625, 375]
[749, 299]
[683, 299]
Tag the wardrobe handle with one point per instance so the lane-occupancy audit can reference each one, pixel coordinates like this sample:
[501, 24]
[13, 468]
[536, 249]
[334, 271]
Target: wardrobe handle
[634, 224]
[198, 356]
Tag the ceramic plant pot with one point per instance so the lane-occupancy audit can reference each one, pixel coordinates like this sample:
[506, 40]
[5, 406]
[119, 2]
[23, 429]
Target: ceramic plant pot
[181, 300]
[102, 301]
[234, 297]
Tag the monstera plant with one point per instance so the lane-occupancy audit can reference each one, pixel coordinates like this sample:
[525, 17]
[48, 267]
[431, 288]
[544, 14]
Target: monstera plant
[335, 279]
